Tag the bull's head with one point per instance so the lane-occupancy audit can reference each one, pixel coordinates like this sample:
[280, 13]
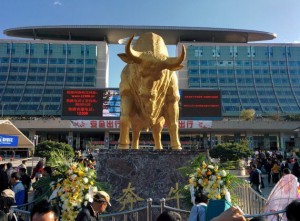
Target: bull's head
[151, 58]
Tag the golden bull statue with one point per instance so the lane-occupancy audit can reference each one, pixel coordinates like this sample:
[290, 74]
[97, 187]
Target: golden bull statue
[149, 91]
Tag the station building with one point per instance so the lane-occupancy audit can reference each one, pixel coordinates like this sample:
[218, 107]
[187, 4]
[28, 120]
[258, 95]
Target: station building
[250, 75]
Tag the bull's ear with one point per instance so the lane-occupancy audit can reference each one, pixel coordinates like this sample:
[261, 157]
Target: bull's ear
[124, 58]
[176, 68]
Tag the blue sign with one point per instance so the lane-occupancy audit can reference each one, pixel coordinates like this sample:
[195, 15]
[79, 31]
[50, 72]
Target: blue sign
[6, 140]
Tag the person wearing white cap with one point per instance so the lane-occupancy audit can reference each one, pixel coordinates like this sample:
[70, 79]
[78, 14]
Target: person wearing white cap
[7, 199]
[100, 202]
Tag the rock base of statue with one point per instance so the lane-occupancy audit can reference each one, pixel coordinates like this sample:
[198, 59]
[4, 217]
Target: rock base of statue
[135, 175]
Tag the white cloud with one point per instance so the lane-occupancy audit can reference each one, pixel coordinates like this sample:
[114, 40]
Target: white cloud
[57, 3]
[297, 40]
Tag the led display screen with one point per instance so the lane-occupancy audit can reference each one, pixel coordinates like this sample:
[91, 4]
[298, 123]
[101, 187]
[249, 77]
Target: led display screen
[200, 104]
[95, 104]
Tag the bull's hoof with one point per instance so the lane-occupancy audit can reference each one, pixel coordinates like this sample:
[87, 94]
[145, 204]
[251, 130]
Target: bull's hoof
[123, 146]
[157, 148]
[134, 148]
[177, 148]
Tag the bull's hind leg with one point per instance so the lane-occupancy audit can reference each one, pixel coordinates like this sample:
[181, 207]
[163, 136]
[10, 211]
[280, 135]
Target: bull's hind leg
[172, 122]
[156, 133]
[136, 130]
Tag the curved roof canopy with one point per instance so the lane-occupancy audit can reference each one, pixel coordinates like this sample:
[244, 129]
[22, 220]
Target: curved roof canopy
[112, 34]
[8, 128]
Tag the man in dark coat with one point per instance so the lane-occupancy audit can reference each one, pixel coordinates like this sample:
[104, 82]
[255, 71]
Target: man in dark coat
[89, 213]
[255, 179]
[3, 178]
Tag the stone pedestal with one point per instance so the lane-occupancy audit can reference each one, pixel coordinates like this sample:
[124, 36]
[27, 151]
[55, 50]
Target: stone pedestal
[135, 175]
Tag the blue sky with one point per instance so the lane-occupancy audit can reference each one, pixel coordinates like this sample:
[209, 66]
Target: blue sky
[276, 16]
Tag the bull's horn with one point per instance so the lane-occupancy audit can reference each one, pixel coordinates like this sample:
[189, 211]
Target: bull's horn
[131, 53]
[174, 64]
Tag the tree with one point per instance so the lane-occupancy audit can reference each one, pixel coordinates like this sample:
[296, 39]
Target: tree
[47, 148]
[248, 114]
[230, 151]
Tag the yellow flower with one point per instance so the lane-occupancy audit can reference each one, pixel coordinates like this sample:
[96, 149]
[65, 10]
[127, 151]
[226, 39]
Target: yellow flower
[204, 165]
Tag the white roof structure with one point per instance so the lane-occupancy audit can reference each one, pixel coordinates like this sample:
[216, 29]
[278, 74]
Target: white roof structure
[7, 128]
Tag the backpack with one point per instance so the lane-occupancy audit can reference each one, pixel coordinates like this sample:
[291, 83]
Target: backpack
[256, 179]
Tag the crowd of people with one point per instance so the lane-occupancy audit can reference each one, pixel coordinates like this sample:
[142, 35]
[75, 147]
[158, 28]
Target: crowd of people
[274, 165]
[15, 184]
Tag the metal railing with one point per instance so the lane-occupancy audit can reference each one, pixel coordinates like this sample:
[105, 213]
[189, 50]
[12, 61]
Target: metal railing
[251, 203]
[249, 200]
[23, 211]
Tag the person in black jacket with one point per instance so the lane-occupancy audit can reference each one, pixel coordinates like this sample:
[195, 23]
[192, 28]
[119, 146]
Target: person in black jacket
[255, 178]
[100, 202]
[3, 178]
[268, 168]
[26, 181]
[44, 210]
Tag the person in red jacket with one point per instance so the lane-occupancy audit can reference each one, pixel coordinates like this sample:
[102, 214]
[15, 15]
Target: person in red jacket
[38, 170]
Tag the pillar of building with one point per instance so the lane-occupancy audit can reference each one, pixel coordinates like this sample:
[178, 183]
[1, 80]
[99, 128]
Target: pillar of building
[70, 138]
[249, 136]
[32, 133]
[77, 141]
[205, 141]
[218, 139]
[281, 141]
[237, 137]
[106, 139]
[297, 138]
[267, 141]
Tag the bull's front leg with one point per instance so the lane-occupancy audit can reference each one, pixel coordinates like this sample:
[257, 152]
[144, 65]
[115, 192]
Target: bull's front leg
[125, 122]
[156, 133]
[124, 140]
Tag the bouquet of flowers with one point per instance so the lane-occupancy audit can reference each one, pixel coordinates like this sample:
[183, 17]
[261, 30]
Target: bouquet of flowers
[211, 181]
[75, 189]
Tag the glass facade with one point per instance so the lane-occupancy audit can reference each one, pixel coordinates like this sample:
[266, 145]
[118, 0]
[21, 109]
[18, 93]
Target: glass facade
[32, 75]
[264, 77]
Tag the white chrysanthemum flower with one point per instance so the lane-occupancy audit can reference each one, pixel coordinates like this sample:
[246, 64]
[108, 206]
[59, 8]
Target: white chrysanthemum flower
[200, 181]
[210, 167]
[85, 180]
[223, 173]
[88, 197]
